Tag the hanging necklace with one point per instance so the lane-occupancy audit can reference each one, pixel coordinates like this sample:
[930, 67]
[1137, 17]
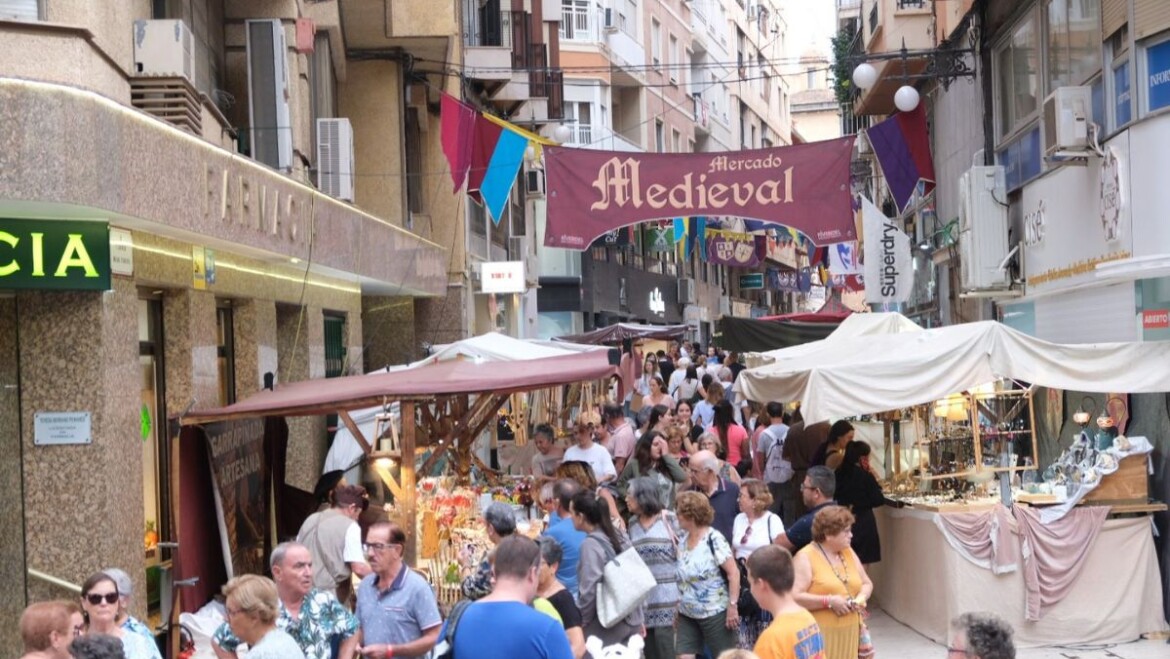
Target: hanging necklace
[843, 579]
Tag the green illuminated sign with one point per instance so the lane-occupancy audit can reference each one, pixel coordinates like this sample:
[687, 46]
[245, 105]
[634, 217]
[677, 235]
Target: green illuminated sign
[55, 254]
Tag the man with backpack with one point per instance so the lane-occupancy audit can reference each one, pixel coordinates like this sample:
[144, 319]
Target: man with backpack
[776, 470]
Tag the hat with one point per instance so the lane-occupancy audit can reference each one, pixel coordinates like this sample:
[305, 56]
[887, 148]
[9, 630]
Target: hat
[326, 483]
[588, 418]
[121, 580]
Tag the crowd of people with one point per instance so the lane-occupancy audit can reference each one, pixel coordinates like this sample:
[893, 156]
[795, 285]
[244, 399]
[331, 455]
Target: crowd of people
[757, 530]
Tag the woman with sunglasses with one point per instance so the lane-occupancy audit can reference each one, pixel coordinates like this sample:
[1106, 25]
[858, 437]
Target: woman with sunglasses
[755, 526]
[99, 601]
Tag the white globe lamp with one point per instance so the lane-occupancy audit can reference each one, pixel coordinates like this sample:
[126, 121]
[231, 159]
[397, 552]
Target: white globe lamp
[865, 76]
[562, 133]
[906, 98]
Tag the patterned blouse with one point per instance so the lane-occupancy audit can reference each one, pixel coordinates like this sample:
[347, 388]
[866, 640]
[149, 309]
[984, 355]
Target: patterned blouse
[657, 547]
[321, 617]
[700, 575]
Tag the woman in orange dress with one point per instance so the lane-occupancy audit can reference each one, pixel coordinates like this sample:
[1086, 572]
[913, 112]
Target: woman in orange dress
[831, 582]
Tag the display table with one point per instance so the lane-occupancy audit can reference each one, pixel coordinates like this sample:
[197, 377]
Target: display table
[924, 583]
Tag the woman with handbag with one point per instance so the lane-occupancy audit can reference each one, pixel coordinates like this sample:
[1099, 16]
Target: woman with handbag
[831, 583]
[754, 527]
[602, 543]
[708, 582]
[653, 534]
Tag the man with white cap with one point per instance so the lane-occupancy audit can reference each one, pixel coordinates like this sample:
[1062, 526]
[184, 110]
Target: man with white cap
[125, 590]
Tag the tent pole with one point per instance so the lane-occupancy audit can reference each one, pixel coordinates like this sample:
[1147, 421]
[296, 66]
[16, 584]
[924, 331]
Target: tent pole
[406, 475]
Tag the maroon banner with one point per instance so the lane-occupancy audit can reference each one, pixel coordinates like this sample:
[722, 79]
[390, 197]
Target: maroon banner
[805, 187]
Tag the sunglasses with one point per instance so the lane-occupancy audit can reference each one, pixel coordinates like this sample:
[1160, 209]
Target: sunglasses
[96, 598]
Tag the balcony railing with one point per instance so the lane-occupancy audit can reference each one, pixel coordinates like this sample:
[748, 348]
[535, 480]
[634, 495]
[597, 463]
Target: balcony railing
[845, 5]
[487, 25]
[702, 112]
[911, 4]
[580, 22]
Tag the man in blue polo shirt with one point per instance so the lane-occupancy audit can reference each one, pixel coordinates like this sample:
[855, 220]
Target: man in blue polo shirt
[396, 607]
[817, 490]
[566, 535]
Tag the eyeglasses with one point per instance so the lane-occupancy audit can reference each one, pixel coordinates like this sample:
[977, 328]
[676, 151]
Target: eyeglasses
[808, 487]
[78, 630]
[961, 651]
[231, 613]
[746, 534]
[379, 546]
[96, 598]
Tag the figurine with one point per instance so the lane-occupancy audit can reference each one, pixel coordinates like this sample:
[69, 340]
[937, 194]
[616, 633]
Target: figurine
[1106, 432]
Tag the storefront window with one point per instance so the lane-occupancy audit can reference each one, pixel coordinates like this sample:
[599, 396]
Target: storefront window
[226, 353]
[1157, 74]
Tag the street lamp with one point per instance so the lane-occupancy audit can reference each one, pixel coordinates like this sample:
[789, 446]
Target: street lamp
[562, 133]
[943, 65]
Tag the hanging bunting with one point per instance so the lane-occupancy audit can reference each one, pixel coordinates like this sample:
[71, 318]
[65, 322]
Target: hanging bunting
[738, 250]
[456, 132]
[502, 170]
[659, 236]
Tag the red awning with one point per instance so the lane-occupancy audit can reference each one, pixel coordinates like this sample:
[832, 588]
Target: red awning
[319, 396]
[817, 317]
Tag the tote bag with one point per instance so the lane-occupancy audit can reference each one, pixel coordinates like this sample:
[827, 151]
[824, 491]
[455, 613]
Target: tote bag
[625, 583]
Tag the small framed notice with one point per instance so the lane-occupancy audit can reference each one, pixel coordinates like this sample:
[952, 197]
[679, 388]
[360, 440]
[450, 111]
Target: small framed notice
[61, 428]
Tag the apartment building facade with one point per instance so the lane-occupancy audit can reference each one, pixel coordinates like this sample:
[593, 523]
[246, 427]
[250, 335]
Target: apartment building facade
[198, 194]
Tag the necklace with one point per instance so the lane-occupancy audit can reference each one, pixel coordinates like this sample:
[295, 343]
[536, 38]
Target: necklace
[843, 579]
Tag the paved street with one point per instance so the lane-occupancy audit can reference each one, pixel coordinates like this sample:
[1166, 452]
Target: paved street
[894, 640]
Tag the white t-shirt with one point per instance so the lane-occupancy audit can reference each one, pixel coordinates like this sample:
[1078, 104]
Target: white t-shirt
[764, 530]
[596, 455]
[352, 553]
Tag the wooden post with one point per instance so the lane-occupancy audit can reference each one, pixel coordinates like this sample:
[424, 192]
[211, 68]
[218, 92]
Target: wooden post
[408, 503]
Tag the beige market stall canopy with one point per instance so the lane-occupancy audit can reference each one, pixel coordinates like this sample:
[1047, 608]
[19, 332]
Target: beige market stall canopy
[870, 373]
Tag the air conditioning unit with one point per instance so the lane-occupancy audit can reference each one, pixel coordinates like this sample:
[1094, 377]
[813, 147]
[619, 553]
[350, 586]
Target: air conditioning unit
[335, 158]
[164, 48]
[534, 182]
[1067, 114]
[983, 229]
[609, 22]
[270, 131]
[686, 290]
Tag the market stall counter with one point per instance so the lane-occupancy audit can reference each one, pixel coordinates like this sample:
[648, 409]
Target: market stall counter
[924, 582]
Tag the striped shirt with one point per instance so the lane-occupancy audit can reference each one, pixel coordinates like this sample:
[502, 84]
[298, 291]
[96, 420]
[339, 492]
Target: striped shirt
[657, 547]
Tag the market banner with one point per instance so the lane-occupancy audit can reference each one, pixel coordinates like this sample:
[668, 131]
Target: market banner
[659, 237]
[784, 280]
[889, 271]
[805, 186]
[845, 258]
[737, 250]
[240, 476]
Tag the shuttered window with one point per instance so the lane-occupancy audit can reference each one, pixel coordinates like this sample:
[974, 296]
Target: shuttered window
[1113, 16]
[21, 10]
[1150, 17]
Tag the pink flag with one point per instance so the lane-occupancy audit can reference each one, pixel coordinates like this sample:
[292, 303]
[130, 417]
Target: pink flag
[457, 122]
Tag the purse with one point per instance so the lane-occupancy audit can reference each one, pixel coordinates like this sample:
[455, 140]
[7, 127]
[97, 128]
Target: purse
[865, 649]
[625, 583]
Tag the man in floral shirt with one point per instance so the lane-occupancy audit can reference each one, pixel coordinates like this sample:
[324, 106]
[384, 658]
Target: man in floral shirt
[312, 617]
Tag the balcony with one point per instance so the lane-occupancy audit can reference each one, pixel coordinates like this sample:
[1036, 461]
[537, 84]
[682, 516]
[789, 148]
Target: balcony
[593, 136]
[702, 114]
[487, 38]
[581, 22]
[423, 29]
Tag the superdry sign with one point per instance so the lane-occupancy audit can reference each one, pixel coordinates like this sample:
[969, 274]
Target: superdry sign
[54, 254]
[805, 187]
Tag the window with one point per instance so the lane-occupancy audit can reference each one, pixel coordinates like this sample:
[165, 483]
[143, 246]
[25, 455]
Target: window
[659, 137]
[655, 43]
[811, 83]
[579, 118]
[672, 59]
[675, 141]
[414, 165]
[1157, 74]
[20, 10]
[1121, 111]
[577, 20]
[1017, 76]
[156, 454]
[322, 85]
[600, 253]
[1074, 42]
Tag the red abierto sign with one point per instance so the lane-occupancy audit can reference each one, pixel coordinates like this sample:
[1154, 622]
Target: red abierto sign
[805, 187]
[1156, 319]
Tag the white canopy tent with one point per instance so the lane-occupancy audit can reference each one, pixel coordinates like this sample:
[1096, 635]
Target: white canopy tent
[346, 453]
[869, 373]
[857, 324]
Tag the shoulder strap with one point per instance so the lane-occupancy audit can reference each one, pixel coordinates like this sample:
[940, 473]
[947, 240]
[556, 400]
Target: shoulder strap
[452, 621]
[770, 536]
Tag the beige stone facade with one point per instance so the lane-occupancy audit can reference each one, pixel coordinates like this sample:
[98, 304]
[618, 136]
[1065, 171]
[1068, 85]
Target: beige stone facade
[83, 141]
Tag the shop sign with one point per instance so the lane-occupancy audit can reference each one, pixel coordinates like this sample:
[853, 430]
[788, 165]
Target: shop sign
[55, 428]
[121, 252]
[751, 282]
[1156, 319]
[502, 277]
[657, 304]
[1112, 198]
[55, 255]
[1158, 76]
[1077, 218]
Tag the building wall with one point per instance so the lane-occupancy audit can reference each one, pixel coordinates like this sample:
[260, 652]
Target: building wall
[12, 550]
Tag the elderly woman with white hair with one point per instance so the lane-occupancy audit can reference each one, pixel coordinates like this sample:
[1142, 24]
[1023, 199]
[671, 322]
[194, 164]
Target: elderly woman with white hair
[653, 534]
[252, 606]
[500, 522]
